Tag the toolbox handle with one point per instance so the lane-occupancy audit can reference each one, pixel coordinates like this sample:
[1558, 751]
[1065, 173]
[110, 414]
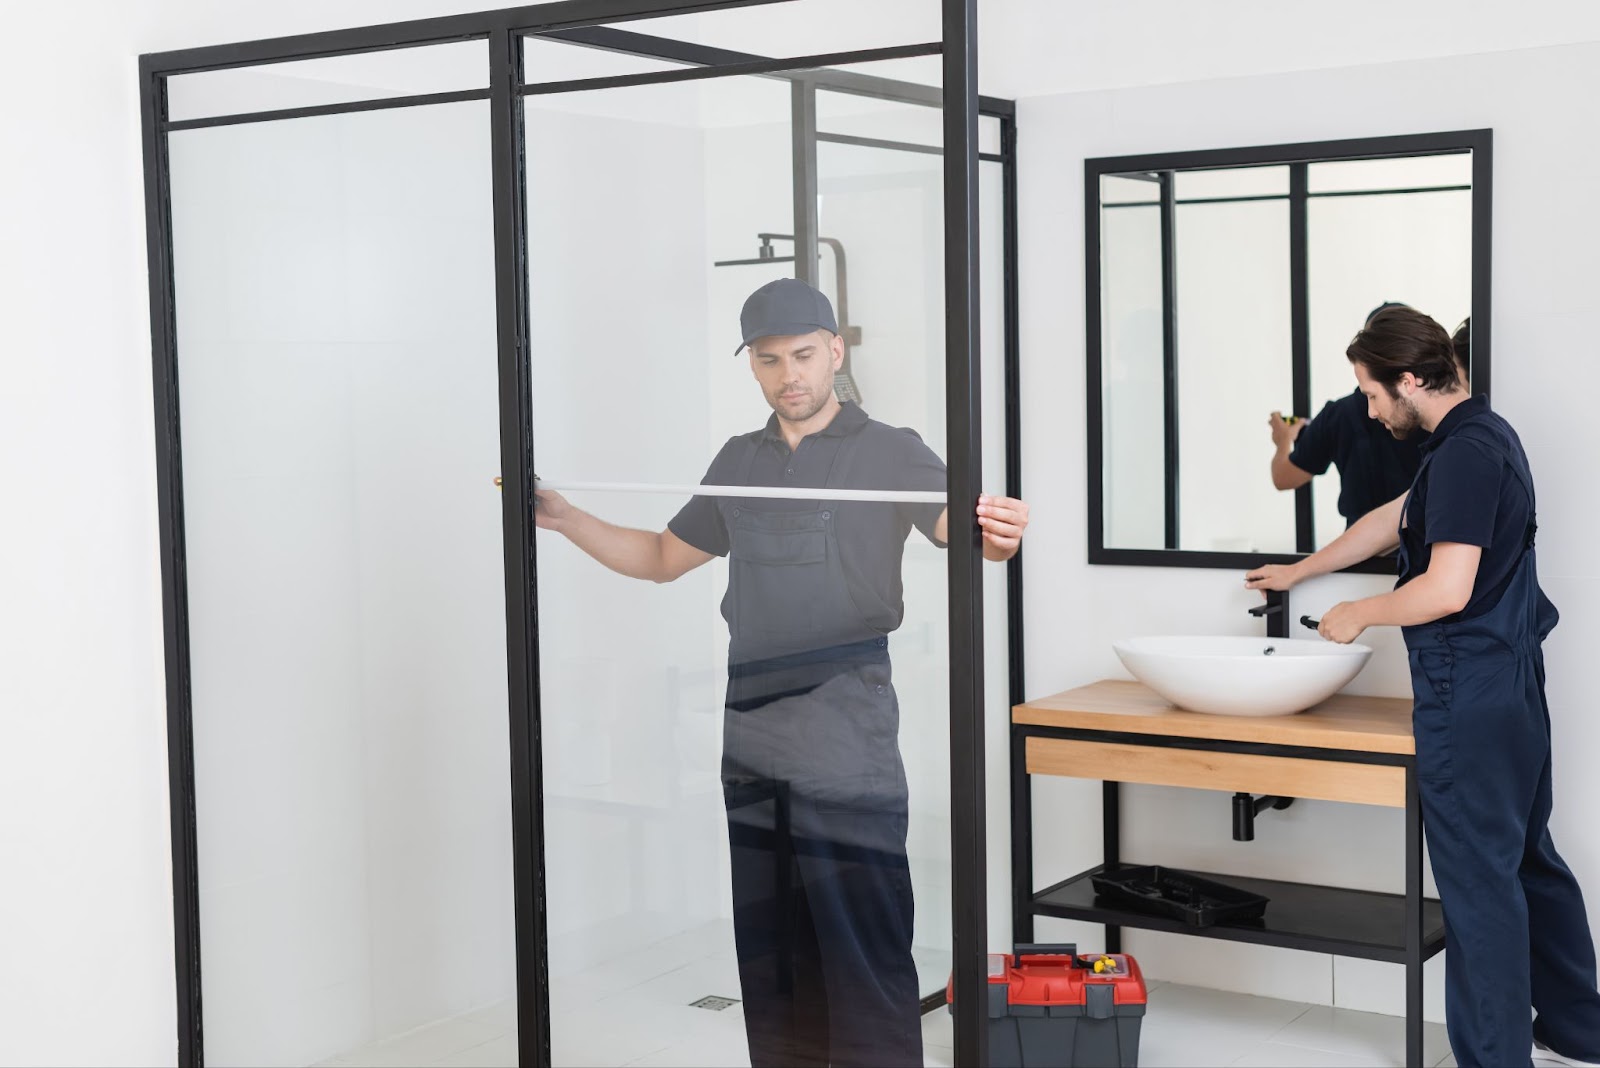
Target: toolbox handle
[1053, 949]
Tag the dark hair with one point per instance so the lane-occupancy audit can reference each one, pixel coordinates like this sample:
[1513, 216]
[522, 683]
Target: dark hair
[1461, 341]
[1401, 339]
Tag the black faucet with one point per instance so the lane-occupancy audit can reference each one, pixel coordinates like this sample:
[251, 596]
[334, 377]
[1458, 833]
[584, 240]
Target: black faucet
[1275, 612]
[1245, 806]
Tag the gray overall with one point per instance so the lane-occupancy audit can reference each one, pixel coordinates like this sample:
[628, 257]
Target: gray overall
[816, 800]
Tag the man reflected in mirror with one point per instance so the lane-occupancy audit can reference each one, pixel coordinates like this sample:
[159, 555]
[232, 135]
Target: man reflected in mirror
[1374, 465]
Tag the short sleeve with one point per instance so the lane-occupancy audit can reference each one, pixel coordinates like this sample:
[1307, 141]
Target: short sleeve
[1313, 449]
[1463, 494]
[922, 470]
[699, 523]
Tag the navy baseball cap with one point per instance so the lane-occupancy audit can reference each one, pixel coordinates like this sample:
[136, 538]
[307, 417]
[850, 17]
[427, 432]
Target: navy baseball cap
[784, 308]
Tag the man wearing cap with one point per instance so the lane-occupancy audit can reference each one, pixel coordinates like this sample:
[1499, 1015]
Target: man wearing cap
[812, 778]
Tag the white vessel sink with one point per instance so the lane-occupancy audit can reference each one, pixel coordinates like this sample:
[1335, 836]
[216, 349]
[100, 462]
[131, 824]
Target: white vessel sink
[1243, 676]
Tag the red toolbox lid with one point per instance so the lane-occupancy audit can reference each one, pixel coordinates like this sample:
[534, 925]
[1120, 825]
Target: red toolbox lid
[1052, 979]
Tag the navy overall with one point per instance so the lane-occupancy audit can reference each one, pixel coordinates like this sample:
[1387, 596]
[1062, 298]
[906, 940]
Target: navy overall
[1518, 933]
[816, 801]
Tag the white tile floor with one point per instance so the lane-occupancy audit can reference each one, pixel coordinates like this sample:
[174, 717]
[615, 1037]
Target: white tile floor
[635, 1011]
[652, 1025]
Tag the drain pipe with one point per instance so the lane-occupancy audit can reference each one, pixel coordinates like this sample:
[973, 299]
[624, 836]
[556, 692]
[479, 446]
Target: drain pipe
[1245, 810]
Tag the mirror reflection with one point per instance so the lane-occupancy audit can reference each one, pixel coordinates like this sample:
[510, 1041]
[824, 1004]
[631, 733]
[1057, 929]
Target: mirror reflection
[1228, 296]
[1371, 464]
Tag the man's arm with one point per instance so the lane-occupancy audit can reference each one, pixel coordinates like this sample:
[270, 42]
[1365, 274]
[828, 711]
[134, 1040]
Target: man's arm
[640, 554]
[1285, 474]
[1442, 590]
[1376, 532]
[1002, 519]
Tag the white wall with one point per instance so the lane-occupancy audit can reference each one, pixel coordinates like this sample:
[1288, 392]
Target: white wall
[1545, 302]
[1038, 47]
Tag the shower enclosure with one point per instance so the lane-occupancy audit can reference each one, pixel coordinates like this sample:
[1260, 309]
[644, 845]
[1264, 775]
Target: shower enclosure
[445, 790]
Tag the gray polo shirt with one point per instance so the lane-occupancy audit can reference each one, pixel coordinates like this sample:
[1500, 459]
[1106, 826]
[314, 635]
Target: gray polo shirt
[872, 535]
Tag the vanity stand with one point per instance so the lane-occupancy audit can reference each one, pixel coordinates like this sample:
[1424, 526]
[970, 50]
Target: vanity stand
[1354, 749]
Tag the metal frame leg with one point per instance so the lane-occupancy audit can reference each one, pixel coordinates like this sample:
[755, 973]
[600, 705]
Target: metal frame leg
[1414, 1054]
[1021, 840]
[1111, 835]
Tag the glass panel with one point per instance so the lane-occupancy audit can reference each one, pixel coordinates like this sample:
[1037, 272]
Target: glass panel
[1132, 366]
[1410, 172]
[924, 71]
[1364, 251]
[745, 768]
[339, 79]
[337, 352]
[550, 60]
[1231, 182]
[1129, 189]
[1233, 358]
[996, 623]
[886, 208]
[854, 115]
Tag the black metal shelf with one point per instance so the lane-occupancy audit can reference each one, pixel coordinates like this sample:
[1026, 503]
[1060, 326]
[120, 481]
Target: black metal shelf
[1320, 919]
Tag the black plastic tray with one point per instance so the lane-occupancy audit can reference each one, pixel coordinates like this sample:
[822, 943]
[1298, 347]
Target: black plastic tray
[1196, 901]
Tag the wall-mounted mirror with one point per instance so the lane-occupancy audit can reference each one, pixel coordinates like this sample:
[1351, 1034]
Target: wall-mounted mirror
[1223, 289]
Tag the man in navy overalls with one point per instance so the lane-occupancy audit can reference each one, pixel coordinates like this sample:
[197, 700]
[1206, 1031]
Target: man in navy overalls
[1474, 620]
[812, 778]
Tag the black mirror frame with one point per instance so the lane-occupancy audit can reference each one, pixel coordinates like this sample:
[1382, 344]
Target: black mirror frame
[1478, 142]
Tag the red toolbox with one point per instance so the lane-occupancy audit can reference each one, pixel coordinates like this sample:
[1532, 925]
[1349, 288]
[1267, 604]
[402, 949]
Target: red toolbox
[1051, 1006]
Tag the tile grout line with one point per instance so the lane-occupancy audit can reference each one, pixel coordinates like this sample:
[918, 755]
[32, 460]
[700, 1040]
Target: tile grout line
[1297, 1018]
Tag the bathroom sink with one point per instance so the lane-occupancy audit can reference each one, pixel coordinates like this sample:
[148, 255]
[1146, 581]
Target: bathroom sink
[1243, 676]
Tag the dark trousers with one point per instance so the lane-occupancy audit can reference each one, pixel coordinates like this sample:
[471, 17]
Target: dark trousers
[823, 911]
[1518, 931]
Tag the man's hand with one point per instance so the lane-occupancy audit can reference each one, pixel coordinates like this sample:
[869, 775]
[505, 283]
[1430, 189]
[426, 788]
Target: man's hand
[1273, 577]
[550, 508]
[1343, 623]
[1284, 434]
[1002, 519]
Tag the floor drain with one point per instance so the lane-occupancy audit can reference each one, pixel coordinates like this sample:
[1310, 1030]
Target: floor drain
[714, 1003]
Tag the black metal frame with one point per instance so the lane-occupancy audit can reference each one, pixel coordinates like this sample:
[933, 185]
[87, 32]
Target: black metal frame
[587, 22]
[1298, 157]
[1169, 360]
[1423, 924]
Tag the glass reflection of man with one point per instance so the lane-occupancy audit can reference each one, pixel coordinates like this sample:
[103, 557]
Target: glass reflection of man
[812, 778]
[1474, 617]
[1374, 466]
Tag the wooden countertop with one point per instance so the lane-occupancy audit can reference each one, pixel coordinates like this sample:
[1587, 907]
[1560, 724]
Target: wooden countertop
[1344, 721]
